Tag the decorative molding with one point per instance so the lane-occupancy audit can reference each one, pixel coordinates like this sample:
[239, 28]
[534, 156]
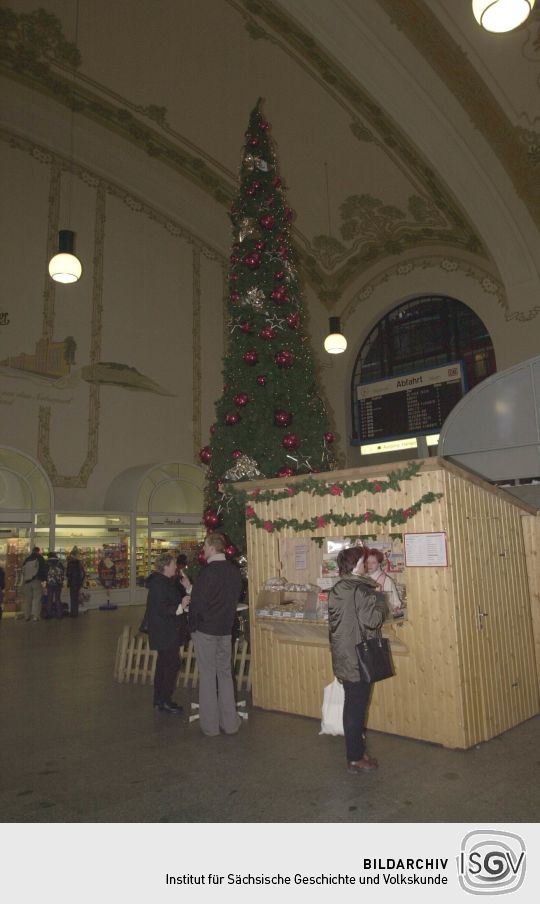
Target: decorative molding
[103, 187]
[451, 63]
[81, 479]
[488, 283]
[196, 352]
[135, 203]
[368, 123]
[34, 51]
[53, 221]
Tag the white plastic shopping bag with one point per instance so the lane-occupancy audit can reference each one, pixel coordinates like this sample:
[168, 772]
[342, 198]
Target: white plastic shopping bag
[332, 709]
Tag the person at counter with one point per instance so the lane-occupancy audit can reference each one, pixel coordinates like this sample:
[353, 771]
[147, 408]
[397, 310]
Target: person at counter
[212, 611]
[353, 601]
[165, 629]
[374, 561]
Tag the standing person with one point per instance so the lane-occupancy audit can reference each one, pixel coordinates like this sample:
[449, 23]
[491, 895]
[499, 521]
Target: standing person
[165, 628]
[75, 579]
[374, 560]
[353, 601]
[33, 572]
[55, 582]
[212, 611]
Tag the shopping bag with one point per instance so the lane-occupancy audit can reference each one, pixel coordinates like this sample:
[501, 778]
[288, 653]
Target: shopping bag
[332, 709]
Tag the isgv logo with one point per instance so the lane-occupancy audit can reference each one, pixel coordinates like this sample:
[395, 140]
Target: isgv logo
[491, 863]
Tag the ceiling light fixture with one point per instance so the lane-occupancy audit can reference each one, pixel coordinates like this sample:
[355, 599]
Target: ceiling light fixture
[65, 266]
[335, 343]
[501, 15]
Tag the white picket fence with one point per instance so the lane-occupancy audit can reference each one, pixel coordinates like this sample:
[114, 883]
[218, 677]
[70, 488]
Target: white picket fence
[136, 662]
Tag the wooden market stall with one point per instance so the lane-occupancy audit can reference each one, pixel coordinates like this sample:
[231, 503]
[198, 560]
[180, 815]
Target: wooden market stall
[465, 554]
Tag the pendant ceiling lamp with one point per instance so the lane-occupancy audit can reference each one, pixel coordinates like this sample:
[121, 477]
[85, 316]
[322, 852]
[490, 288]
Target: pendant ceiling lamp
[65, 266]
[501, 15]
[335, 343]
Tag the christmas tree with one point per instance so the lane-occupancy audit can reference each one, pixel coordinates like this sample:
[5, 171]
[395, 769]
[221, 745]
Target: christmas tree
[270, 420]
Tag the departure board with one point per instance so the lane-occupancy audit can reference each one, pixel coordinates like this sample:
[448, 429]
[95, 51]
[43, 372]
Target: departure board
[409, 404]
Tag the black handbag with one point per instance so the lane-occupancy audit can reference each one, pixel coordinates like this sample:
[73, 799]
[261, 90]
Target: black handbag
[374, 657]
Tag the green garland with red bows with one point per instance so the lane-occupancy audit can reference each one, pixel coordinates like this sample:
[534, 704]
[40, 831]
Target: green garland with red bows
[343, 488]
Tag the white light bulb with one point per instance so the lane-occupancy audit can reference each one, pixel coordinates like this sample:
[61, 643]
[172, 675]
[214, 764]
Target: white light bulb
[501, 15]
[65, 268]
[335, 343]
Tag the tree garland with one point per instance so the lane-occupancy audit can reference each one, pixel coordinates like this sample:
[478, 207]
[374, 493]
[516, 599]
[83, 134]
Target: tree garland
[339, 488]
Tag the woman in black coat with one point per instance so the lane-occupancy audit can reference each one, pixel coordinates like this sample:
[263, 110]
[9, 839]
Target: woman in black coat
[353, 601]
[165, 629]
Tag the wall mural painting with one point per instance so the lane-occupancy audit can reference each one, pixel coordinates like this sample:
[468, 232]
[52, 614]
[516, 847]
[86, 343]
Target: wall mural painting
[51, 369]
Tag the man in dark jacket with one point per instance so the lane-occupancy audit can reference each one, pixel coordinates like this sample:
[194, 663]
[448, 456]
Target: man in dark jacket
[212, 610]
[165, 629]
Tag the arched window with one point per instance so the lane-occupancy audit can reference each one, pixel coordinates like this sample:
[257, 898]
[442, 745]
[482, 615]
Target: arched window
[420, 335]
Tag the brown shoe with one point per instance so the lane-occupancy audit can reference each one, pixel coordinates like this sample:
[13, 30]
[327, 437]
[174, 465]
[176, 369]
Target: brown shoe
[366, 764]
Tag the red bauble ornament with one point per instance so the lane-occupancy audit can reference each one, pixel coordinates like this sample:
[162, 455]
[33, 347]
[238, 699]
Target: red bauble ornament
[235, 297]
[230, 550]
[213, 429]
[284, 359]
[232, 418]
[267, 221]
[290, 441]
[255, 185]
[241, 399]
[236, 453]
[279, 275]
[283, 252]
[245, 327]
[253, 260]
[250, 357]
[329, 437]
[234, 258]
[206, 455]
[260, 246]
[276, 182]
[233, 277]
[267, 333]
[253, 141]
[262, 379]
[211, 518]
[293, 321]
[279, 295]
[288, 214]
[286, 471]
[264, 125]
[282, 418]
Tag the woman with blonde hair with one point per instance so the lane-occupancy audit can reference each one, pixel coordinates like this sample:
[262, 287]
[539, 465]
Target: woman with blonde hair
[354, 607]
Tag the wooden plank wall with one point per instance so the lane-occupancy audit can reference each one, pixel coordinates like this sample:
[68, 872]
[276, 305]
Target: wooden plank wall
[531, 536]
[496, 651]
[424, 699]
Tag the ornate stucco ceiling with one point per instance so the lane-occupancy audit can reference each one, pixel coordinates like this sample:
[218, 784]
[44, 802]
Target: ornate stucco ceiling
[177, 80]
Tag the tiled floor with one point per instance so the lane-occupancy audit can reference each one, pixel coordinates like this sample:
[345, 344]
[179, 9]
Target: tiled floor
[77, 747]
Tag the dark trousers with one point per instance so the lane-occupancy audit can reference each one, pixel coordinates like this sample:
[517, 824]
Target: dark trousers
[167, 665]
[74, 592]
[357, 694]
[54, 603]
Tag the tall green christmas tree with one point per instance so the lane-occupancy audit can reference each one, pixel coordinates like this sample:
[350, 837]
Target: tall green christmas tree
[270, 420]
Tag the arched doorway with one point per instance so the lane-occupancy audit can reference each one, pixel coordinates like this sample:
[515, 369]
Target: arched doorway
[26, 515]
[413, 367]
[167, 505]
